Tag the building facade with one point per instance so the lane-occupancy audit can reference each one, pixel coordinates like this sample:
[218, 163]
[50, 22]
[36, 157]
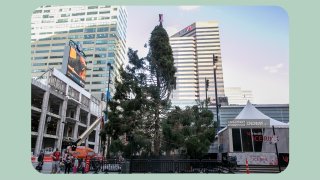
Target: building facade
[60, 112]
[193, 49]
[101, 31]
[236, 95]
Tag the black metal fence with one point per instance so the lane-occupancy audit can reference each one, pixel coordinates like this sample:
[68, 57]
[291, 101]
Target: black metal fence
[162, 166]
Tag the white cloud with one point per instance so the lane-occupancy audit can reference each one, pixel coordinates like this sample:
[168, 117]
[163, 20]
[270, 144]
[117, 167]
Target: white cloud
[273, 69]
[188, 8]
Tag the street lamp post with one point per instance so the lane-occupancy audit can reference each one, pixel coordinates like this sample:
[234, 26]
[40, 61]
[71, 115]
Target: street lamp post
[106, 111]
[215, 60]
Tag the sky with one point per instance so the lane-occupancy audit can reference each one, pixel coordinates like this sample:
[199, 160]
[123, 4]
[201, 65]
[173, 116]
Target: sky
[254, 43]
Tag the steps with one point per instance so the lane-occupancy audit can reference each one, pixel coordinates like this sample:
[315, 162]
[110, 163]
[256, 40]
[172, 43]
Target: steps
[259, 169]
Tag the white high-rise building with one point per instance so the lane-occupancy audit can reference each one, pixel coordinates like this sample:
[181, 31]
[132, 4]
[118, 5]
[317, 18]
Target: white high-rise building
[193, 48]
[238, 96]
[101, 30]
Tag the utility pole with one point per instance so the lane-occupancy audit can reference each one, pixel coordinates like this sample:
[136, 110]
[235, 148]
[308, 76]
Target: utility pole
[106, 112]
[215, 60]
[207, 86]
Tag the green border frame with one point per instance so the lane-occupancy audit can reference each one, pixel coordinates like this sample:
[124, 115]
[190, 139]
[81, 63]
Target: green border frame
[15, 88]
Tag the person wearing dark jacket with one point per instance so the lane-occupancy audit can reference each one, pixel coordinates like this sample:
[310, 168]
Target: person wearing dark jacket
[40, 161]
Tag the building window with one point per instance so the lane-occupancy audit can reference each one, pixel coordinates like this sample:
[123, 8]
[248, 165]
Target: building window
[45, 39]
[111, 54]
[100, 62]
[95, 90]
[75, 37]
[38, 70]
[90, 30]
[89, 36]
[113, 29]
[42, 33]
[91, 19]
[78, 14]
[75, 30]
[102, 35]
[101, 42]
[57, 50]
[113, 35]
[246, 140]
[103, 29]
[257, 137]
[62, 20]
[236, 140]
[56, 63]
[42, 51]
[40, 57]
[60, 32]
[55, 57]
[88, 42]
[88, 49]
[92, 7]
[90, 13]
[104, 12]
[39, 64]
[58, 38]
[43, 45]
[98, 82]
[58, 44]
[99, 69]
[101, 49]
[65, 15]
[99, 75]
[100, 55]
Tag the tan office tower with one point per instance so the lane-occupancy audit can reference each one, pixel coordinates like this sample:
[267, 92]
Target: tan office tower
[101, 31]
[193, 48]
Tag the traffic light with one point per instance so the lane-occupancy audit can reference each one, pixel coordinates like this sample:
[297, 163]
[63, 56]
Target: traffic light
[207, 84]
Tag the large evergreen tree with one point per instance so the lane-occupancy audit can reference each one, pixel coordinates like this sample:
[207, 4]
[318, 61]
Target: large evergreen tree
[130, 109]
[142, 95]
[162, 79]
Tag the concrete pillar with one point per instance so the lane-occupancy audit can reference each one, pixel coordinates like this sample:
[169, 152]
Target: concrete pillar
[88, 124]
[63, 111]
[42, 122]
[76, 126]
[97, 139]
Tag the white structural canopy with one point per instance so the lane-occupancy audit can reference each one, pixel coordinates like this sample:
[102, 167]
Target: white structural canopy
[250, 112]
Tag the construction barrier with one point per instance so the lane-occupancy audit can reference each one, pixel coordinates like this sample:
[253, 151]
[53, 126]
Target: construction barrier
[247, 167]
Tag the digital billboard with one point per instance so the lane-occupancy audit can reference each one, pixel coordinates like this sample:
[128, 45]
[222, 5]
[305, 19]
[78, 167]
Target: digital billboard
[74, 65]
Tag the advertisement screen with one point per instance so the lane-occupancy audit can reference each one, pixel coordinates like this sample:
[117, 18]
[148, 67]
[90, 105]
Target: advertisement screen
[77, 67]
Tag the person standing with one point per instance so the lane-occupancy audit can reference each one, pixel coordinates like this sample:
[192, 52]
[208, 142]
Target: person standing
[40, 161]
[67, 163]
[83, 166]
[75, 165]
[55, 161]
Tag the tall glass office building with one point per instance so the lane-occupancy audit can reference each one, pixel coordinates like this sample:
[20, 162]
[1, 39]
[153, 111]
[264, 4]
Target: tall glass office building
[193, 48]
[101, 30]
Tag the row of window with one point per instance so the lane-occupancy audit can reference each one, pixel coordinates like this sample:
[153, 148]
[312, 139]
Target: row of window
[84, 42]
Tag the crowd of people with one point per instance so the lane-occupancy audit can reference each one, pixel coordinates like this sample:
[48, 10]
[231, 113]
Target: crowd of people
[64, 162]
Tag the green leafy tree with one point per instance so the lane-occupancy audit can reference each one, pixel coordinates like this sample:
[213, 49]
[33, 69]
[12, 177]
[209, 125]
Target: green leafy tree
[190, 131]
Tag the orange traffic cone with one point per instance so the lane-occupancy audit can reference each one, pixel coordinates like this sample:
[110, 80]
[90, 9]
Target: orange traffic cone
[247, 167]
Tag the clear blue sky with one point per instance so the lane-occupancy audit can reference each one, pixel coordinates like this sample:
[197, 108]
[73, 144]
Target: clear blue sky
[254, 43]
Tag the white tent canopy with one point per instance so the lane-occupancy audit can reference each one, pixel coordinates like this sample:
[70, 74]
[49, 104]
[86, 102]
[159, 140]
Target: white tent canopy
[250, 112]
